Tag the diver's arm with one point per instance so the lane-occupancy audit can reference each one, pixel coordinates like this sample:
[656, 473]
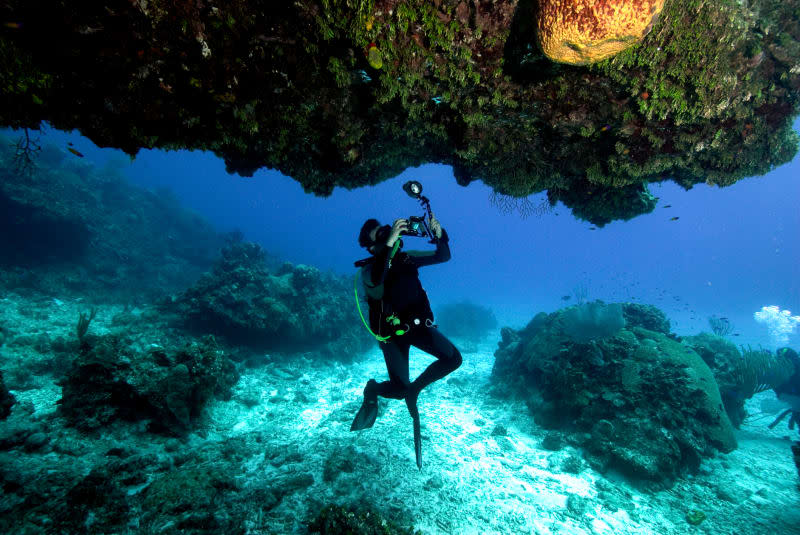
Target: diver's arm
[428, 258]
[379, 267]
[383, 260]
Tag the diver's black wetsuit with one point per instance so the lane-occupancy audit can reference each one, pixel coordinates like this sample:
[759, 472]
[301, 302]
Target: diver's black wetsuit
[393, 288]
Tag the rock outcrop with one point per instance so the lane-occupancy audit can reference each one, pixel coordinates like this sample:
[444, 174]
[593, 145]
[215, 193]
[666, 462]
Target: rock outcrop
[296, 307]
[636, 400]
[167, 388]
[707, 96]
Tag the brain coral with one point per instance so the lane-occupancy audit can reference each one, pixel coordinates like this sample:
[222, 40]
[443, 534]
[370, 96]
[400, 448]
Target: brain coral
[587, 31]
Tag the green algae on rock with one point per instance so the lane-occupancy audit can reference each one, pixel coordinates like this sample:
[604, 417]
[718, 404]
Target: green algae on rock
[707, 96]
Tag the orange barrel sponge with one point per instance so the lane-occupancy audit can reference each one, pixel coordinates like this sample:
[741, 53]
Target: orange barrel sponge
[587, 31]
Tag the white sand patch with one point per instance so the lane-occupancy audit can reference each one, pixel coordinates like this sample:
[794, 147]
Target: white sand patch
[475, 482]
[475, 478]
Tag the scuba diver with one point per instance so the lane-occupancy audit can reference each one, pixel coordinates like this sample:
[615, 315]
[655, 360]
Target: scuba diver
[400, 314]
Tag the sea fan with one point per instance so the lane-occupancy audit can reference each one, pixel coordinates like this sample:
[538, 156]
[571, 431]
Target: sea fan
[760, 370]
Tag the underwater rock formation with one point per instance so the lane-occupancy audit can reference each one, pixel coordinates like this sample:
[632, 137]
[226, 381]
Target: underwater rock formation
[296, 307]
[636, 400]
[647, 317]
[168, 387]
[707, 96]
[739, 374]
[722, 357]
[588, 31]
[334, 519]
[72, 228]
[160, 485]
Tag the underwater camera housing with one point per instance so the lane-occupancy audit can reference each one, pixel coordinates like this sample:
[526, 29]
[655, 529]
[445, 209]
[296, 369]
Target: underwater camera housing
[418, 225]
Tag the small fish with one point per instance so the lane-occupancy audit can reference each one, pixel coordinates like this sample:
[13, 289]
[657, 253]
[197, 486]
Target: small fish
[735, 334]
[13, 25]
[592, 228]
[674, 218]
[645, 95]
[76, 153]
[566, 297]
[70, 143]
[667, 206]
[605, 128]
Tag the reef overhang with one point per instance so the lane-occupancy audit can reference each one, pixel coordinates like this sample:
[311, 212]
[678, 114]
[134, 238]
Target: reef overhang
[707, 96]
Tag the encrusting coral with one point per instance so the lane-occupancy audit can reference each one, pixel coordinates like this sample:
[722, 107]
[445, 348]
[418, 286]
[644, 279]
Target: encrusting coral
[707, 96]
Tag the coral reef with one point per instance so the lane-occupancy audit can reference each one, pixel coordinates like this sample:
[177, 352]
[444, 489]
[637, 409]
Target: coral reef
[587, 31]
[637, 401]
[336, 519]
[298, 307]
[708, 95]
[647, 317]
[71, 228]
[112, 380]
[159, 484]
[723, 358]
[739, 374]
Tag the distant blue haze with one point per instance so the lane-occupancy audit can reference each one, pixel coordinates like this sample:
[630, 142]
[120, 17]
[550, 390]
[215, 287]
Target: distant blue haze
[732, 250]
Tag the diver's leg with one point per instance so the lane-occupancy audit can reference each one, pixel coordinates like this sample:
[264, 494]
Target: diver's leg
[448, 357]
[396, 357]
[395, 354]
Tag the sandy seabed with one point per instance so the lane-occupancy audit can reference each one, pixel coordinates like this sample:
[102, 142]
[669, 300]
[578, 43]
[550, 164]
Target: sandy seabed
[484, 470]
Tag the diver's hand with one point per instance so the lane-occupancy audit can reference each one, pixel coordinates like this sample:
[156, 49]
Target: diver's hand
[436, 227]
[399, 226]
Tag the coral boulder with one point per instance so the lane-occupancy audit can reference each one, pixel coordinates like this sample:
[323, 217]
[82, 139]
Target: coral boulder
[295, 307]
[112, 379]
[637, 401]
[580, 32]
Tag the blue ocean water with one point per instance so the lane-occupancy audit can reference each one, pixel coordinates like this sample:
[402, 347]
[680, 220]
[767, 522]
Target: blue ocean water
[732, 250]
[272, 451]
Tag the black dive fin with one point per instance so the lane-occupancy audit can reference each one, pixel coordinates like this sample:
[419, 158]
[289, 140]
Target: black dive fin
[365, 417]
[418, 443]
[411, 403]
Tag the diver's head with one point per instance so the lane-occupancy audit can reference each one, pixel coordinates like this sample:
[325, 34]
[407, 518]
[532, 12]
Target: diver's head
[373, 236]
